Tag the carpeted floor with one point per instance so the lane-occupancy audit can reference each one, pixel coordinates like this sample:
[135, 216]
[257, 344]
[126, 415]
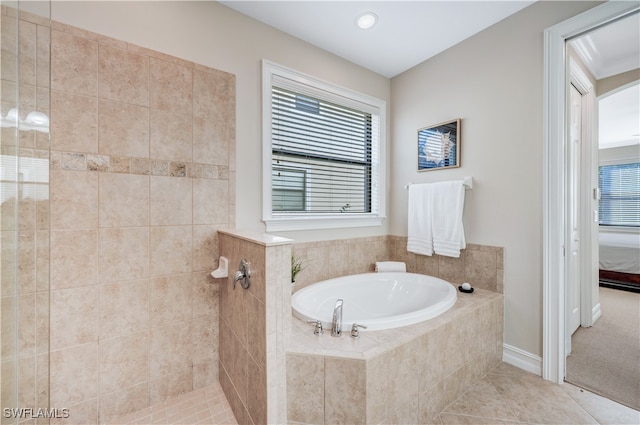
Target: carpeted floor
[605, 358]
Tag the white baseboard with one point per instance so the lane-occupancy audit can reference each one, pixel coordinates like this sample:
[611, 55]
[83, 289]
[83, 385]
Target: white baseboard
[595, 313]
[522, 359]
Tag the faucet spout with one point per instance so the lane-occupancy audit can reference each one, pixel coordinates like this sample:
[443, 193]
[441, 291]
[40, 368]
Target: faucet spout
[336, 321]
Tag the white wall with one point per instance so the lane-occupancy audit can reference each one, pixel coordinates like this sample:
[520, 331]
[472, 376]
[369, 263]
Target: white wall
[214, 35]
[493, 81]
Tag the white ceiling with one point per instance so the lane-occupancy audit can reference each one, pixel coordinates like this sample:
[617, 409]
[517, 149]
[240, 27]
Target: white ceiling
[611, 50]
[407, 32]
[410, 32]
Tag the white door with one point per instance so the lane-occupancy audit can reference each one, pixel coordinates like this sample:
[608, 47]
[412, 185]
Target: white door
[573, 211]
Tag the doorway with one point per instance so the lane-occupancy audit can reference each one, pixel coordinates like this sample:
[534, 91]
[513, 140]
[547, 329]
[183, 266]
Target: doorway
[557, 270]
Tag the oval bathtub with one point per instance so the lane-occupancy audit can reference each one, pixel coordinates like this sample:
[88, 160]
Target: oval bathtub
[376, 300]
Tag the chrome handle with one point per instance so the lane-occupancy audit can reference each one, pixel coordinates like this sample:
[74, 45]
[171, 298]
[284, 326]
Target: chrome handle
[354, 330]
[317, 330]
[243, 275]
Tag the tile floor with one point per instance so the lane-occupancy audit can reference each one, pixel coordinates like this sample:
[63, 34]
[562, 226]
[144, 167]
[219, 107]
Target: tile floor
[206, 405]
[507, 395]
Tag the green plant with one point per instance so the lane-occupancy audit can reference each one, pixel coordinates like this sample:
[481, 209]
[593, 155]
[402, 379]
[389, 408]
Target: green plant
[297, 265]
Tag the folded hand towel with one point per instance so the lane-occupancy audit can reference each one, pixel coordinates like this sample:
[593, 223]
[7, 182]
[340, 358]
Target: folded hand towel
[390, 266]
[419, 237]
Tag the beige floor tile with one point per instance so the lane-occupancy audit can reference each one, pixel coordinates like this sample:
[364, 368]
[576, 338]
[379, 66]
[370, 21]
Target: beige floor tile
[206, 405]
[482, 400]
[535, 400]
[451, 419]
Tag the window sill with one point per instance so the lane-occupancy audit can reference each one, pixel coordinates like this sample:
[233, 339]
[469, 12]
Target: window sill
[296, 222]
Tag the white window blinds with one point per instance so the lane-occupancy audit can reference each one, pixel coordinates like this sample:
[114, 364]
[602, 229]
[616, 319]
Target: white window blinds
[322, 155]
[620, 194]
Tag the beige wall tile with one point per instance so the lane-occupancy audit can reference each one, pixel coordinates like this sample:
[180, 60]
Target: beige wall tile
[74, 258]
[209, 206]
[43, 57]
[26, 313]
[124, 254]
[170, 349]
[123, 76]
[171, 201]
[204, 340]
[124, 308]
[124, 200]
[85, 412]
[74, 317]
[214, 95]
[344, 391]
[205, 248]
[74, 374]
[123, 362]
[451, 269]
[481, 268]
[305, 389]
[257, 397]
[170, 250]
[123, 401]
[74, 199]
[170, 86]
[211, 141]
[27, 52]
[403, 374]
[256, 330]
[205, 296]
[170, 135]
[26, 262]
[74, 122]
[205, 374]
[167, 386]
[377, 388]
[123, 129]
[170, 299]
[238, 408]
[74, 64]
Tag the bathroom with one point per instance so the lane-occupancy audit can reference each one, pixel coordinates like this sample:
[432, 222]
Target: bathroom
[116, 308]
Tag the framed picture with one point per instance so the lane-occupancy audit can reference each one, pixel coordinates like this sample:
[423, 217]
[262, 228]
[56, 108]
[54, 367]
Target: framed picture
[439, 146]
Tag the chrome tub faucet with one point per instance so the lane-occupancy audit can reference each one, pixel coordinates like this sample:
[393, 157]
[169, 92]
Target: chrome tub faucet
[336, 321]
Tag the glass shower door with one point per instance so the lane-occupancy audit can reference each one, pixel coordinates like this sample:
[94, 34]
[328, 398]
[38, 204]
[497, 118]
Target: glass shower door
[24, 212]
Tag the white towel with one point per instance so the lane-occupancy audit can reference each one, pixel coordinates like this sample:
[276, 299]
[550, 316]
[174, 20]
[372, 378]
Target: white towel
[435, 218]
[447, 204]
[390, 266]
[420, 239]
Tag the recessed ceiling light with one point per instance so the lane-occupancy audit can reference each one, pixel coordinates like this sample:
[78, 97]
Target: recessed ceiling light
[366, 20]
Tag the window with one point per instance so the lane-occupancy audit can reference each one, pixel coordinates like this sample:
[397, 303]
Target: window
[322, 146]
[619, 195]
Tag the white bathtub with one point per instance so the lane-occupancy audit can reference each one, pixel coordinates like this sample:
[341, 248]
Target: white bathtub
[376, 300]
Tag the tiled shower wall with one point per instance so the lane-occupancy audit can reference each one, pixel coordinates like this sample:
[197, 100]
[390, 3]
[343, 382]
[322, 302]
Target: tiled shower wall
[142, 154]
[481, 265]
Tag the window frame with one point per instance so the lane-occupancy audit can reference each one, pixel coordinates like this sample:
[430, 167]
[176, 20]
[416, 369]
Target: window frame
[306, 84]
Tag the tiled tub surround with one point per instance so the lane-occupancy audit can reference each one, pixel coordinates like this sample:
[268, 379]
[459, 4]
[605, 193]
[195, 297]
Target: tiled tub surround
[142, 171]
[403, 375]
[481, 265]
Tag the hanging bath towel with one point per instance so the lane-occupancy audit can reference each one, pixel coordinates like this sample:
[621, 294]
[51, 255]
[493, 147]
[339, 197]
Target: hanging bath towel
[420, 239]
[435, 218]
[447, 203]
